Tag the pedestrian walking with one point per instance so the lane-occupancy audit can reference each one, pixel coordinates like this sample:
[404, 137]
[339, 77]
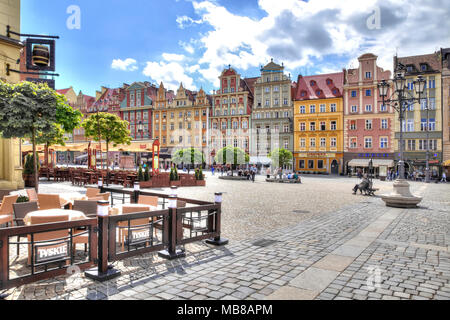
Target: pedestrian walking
[444, 177]
[253, 173]
[212, 170]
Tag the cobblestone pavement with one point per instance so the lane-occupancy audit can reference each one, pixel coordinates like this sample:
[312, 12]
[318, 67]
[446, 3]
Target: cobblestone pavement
[361, 250]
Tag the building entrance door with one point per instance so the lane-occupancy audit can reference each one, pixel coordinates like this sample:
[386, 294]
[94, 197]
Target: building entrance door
[334, 167]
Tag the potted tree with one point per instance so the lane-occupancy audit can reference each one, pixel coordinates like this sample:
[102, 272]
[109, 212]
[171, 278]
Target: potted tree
[146, 182]
[28, 171]
[174, 177]
[200, 178]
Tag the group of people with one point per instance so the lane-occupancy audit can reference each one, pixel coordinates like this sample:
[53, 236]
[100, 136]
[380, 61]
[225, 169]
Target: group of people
[284, 175]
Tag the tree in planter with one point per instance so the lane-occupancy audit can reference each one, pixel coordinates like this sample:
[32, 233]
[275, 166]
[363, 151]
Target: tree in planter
[281, 157]
[67, 119]
[107, 127]
[233, 156]
[188, 156]
[28, 170]
[26, 109]
[146, 174]
[174, 174]
[140, 174]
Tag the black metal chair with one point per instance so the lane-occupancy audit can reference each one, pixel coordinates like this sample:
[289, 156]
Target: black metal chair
[20, 211]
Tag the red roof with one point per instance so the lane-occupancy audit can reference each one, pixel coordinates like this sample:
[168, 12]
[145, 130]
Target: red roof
[63, 91]
[324, 86]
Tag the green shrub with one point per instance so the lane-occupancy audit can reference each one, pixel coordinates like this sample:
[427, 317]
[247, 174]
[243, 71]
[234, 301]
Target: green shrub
[29, 166]
[200, 174]
[140, 174]
[146, 174]
[22, 199]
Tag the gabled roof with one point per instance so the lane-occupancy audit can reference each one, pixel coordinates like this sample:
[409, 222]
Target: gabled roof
[248, 84]
[63, 91]
[324, 86]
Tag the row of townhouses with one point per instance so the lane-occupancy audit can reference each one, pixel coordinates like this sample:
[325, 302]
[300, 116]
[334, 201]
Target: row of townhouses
[332, 123]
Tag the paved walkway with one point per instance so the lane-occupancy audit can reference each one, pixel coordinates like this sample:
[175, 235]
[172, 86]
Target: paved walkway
[362, 251]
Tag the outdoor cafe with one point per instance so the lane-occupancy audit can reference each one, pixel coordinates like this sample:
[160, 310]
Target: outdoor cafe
[50, 233]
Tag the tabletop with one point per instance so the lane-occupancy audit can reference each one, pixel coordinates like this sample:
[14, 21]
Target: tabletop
[74, 215]
[118, 210]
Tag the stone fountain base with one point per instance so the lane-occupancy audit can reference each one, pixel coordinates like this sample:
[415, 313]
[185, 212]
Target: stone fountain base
[401, 196]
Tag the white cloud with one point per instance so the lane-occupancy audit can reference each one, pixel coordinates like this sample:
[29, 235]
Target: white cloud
[173, 57]
[171, 74]
[301, 33]
[193, 68]
[124, 65]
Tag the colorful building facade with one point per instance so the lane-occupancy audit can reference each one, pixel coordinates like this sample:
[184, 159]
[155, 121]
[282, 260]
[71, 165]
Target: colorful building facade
[230, 120]
[137, 107]
[181, 120]
[272, 113]
[445, 55]
[415, 122]
[318, 124]
[368, 124]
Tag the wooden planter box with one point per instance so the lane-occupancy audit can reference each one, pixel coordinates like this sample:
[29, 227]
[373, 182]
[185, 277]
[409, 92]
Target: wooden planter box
[29, 180]
[175, 183]
[201, 183]
[146, 184]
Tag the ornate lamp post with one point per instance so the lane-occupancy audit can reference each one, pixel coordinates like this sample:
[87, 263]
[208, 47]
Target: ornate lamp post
[401, 196]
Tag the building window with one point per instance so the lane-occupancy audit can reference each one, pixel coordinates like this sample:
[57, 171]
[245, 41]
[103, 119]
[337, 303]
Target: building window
[368, 75]
[276, 89]
[224, 125]
[368, 124]
[333, 107]
[323, 108]
[368, 108]
[354, 94]
[312, 142]
[411, 145]
[312, 126]
[301, 164]
[353, 143]
[368, 93]
[333, 142]
[368, 143]
[275, 102]
[323, 126]
[312, 109]
[302, 126]
[302, 109]
[333, 125]
[302, 143]
[319, 164]
[310, 164]
[384, 124]
[383, 143]
[267, 102]
[267, 89]
[383, 107]
[244, 125]
[354, 109]
[323, 142]
[285, 101]
[410, 125]
[235, 124]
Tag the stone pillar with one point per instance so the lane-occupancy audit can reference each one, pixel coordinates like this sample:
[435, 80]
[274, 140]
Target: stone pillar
[10, 166]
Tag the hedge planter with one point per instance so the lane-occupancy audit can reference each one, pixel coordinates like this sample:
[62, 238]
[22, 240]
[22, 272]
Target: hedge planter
[201, 183]
[175, 183]
[29, 180]
[146, 184]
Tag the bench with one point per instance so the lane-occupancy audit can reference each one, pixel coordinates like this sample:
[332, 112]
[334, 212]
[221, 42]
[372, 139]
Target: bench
[283, 180]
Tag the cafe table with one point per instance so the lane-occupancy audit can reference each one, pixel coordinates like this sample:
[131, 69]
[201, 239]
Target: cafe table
[119, 209]
[74, 215]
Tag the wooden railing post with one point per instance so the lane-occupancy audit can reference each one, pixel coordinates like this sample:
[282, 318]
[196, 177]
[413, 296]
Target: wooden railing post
[172, 252]
[217, 240]
[103, 272]
[3, 262]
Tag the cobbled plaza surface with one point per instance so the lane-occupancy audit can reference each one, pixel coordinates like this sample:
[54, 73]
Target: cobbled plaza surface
[314, 240]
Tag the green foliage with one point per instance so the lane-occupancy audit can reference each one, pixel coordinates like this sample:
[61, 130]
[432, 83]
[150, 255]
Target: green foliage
[199, 174]
[232, 155]
[22, 199]
[28, 167]
[140, 174]
[146, 174]
[107, 127]
[188, 156]
[174, 174]
[196, 174]
[281, 157]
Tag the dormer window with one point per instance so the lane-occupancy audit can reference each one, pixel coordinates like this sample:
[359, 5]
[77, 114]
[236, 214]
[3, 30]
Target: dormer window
[409, 68]
[312, 83]
[329, 81]
[335, 91]
[423, 67]
[303, 93]
[318, 92]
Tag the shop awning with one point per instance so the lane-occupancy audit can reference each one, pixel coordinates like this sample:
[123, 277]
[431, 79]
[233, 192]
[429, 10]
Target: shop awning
[376, 163]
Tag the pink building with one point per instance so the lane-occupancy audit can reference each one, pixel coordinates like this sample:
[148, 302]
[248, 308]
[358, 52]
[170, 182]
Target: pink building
[368, 124]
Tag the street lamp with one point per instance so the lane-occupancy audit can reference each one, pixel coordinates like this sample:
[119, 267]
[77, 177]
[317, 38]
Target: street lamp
[401, 196]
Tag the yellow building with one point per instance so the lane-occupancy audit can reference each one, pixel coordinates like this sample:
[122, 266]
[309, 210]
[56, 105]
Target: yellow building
[10, 159]
[180, 121]
[318, 124]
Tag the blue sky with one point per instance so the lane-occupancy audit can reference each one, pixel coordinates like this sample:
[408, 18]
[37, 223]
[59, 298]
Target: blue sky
[192, 41]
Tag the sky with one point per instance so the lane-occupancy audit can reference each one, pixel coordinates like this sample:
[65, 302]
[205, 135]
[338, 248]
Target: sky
[108, 43]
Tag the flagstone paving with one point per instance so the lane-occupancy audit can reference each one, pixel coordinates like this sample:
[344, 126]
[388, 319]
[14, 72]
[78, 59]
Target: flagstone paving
[362, 250]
